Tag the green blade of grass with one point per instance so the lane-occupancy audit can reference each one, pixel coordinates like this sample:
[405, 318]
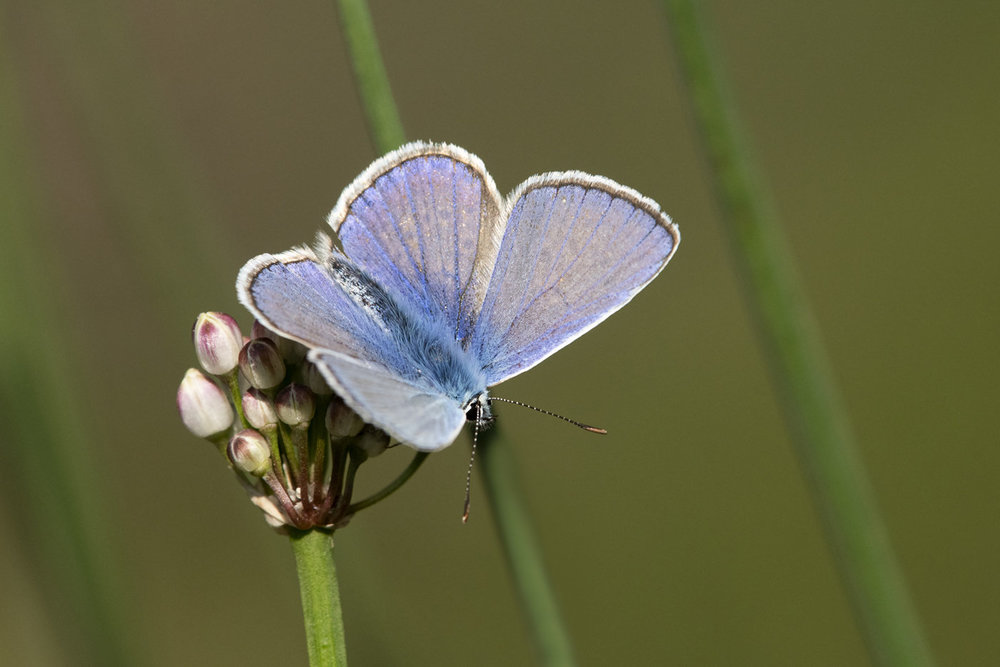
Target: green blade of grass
[817, 420]
[384, 124]
[48, 444]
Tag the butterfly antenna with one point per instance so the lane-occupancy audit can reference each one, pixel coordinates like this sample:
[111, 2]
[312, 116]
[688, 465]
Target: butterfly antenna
[585, 427]
[472, 459]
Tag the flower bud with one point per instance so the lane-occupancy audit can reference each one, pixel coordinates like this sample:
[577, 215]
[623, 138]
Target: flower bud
[204, 407]
[315, 380]
[250, 452]
[341, 421]
[259, 410]
[217, 342]
[372, 441]
[291, 351]
[258, 330]
[295, 405]
[261, 364]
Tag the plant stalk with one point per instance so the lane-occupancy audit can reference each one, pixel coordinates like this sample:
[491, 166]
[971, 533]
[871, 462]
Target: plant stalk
[320, 598]
[384, 125]
[812, 406]
[524, 557]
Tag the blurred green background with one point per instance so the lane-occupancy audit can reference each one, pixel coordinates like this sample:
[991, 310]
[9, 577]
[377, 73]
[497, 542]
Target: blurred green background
[150, 148]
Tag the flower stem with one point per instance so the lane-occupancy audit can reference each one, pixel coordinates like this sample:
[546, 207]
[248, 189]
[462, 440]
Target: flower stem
[384, 125]
[320, 598]
[417, 461]
[233, 383]
[521, 548]
[816, 418]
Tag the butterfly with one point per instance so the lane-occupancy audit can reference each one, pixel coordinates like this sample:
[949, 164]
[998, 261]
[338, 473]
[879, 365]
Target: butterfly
[436, 287]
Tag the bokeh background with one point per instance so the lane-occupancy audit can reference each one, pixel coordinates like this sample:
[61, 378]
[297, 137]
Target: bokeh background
[150, 148]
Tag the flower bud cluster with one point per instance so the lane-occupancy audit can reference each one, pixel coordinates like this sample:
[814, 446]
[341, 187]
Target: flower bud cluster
[292, 441]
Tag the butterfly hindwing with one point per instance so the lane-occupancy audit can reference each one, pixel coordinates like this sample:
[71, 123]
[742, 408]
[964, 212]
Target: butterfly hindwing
[293, 293]
[412, 412]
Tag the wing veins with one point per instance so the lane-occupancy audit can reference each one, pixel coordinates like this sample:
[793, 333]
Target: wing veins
[534, 267]
[361, 335]
[383, 251]
[565, 322]
[548, 289]
[396, 227]
[604, 276]
[457, 293]
[422, 270]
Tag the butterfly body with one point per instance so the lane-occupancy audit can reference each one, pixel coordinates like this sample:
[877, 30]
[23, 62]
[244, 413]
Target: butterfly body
[443, 288]
[416, 344]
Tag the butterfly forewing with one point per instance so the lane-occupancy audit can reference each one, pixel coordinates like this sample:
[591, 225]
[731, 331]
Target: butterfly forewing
[576, 248]
[424, 223]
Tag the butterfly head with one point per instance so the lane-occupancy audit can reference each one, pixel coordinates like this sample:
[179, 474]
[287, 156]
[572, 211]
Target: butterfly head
[478, 411]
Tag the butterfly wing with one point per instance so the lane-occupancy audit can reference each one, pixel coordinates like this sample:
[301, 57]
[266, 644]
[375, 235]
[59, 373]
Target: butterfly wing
[354, 329]
[293, 294]
[450, 289]
[412, 413]
[576, 248]
[424, 222]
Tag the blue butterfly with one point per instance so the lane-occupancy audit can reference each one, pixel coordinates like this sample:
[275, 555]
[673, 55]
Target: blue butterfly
[438, 288]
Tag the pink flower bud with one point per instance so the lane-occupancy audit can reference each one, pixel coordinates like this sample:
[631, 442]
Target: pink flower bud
[259, 410]
[341, 421]
[250, 452]
[295, 405]
[217, 342]
[291, 351]
[204, 407]
[261, 364]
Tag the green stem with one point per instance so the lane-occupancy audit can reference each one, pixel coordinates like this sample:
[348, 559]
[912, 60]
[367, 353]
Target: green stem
[320, 598]
[417, 461]
[816, 418]
[521, 548]
[233, 380]
[384, 125]
[290, 451]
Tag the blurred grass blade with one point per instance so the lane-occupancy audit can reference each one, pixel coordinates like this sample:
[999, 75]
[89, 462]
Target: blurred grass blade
[523, 554]
[50, 488]
[798, 365]
[384, 125]
[496, 462]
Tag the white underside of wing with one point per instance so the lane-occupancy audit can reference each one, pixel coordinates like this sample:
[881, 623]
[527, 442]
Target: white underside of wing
[410, 413]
